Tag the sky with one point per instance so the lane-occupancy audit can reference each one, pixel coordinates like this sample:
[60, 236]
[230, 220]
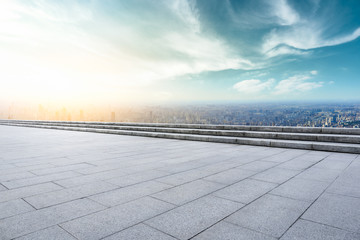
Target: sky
[146, 51]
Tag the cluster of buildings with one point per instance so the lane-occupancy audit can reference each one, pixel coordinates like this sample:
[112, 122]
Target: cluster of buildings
[315, 115]
[307, 115]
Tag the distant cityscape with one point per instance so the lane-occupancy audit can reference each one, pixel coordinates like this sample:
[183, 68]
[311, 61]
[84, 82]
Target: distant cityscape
[306, 115]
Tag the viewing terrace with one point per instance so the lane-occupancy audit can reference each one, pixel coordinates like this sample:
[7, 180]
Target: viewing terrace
[151, 182]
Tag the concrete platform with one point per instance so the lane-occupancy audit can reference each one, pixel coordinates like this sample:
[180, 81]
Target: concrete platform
[57, 184]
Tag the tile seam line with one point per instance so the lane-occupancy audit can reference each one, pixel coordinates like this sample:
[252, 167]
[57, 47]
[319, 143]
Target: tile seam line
[159, 230]
[21, 178]
[345, 230]
[57, 204]
[42, 182]
[136, 225]
[67, 231]
[34, 208]
[6, 189]
[43, 175]
[344, 195]
[31, 195]
[251, 229]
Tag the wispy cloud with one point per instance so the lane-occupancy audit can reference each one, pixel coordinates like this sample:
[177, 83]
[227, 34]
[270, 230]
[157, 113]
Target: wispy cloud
[285, 50]
[302, 37]
[295, 84]
[131, 44]
[253, 86]
[314, 72]
[187, 12]
[302, 32]
[130, 56]
[284, 13]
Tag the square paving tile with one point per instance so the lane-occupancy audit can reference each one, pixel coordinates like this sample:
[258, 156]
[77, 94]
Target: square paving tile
[228, 231]
[28, 191]
[306, 230]
[69, 194]
[184, 177]
[346, 188]
[276, 175]
[336, 210]
[320, 174]
[115, 219]
[126, 194]
[301, 189]
[245, 191]
[270, 215]
[258, 166]
[53, 233]
[187, 192]
[29, 222]
[14, 207]
[137, 178]
[335, 164]
[190, 219]
[140, 232]
[230, 176]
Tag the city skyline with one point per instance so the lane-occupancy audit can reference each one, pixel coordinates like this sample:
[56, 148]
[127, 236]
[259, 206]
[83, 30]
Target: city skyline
[338, 115]
[127, 52]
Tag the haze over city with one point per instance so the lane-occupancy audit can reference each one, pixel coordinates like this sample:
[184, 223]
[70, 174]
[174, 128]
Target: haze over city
[76, 54]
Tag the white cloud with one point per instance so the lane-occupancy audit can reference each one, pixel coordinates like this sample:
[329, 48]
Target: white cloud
[343, 39]
[187, 12]
[304, 37]
[253, 86]
[126, 58]
[284, 50]
[284, 13]
[295, 84]
[300, 33]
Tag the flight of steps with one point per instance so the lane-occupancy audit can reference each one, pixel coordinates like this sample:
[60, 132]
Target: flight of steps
[325, 139]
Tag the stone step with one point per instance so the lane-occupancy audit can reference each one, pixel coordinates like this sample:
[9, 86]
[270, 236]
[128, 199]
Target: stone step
[308, 145]
[336, 138]
[317, 130]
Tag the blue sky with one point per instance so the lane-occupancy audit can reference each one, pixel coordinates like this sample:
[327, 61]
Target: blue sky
[179, 50]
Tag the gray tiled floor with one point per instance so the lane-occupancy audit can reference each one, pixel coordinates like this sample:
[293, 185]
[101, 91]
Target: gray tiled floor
[77, 185]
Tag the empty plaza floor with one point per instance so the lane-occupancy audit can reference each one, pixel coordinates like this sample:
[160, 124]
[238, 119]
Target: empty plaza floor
[58, 184]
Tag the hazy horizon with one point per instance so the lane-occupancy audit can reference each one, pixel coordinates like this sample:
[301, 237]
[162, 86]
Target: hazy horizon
[130, 53]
